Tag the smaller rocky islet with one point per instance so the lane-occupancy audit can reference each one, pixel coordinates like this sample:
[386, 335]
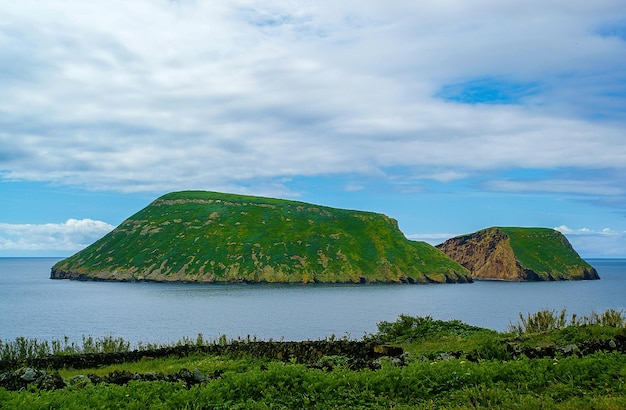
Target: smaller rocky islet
[200, 236]
[518, 254]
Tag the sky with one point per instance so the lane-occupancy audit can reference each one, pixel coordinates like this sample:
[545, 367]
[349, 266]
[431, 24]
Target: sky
[449, 116]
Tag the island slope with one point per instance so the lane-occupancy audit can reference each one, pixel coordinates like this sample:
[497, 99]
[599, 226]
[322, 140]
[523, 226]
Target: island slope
[198, 236]
[518, 254]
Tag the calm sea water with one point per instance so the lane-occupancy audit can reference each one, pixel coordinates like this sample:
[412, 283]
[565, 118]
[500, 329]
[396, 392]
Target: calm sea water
[36, 307]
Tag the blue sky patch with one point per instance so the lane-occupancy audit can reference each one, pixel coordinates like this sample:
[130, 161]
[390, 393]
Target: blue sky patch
[615, 29]
[487, 90]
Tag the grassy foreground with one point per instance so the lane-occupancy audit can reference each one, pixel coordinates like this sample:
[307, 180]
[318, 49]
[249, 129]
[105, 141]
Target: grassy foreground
[547, 360]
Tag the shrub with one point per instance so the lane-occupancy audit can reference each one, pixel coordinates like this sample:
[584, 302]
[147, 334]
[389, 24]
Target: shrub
[415, 329]
[546, 321]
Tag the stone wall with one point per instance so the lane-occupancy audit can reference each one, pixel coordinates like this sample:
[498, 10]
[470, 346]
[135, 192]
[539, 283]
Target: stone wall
[302, 352]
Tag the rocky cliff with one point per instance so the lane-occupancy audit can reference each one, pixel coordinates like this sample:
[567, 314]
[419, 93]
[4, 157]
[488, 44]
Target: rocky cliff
[518, 254]
[198, 236]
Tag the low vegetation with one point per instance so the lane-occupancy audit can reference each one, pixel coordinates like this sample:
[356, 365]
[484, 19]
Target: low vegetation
[518, 254]
[544, 250]
[546, 321]
[548, 360]
[198, 236]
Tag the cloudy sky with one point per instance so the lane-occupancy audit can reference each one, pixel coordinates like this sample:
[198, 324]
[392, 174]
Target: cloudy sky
[448, 115]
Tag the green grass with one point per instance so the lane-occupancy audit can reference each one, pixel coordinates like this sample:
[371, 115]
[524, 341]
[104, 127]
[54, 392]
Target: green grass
[478, 377]
[591, 382]
[547, 321]
[410, 329]
[207, 236]
[168, 365]
[545, 251]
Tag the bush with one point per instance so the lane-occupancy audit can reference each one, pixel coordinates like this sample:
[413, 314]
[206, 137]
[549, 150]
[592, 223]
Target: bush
[416, 329]
[546, 321]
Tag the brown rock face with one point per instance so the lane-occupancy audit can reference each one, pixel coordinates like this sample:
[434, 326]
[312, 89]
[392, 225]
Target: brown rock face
[488, 254]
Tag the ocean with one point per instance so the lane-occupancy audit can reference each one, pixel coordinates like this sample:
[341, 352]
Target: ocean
[35, 306]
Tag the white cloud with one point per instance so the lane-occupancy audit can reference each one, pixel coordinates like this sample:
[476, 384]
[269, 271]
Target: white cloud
[353, 187]
[158, 95]
[443, 176]
[591, 187]
[72, 235]
[566, 230]
[431, 238]
[603, 243]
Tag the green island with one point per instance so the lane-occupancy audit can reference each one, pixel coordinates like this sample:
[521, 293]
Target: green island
[547, 360]
[198, 236]
[518, 254]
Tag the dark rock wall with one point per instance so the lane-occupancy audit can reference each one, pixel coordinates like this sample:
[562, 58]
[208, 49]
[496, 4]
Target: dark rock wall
[487, 255]
[303, 352]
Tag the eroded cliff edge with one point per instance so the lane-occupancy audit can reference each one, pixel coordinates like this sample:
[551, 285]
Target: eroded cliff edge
[518, 254]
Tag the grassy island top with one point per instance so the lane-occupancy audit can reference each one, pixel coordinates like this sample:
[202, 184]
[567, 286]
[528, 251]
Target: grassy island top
[543, 249]
[216, 237]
